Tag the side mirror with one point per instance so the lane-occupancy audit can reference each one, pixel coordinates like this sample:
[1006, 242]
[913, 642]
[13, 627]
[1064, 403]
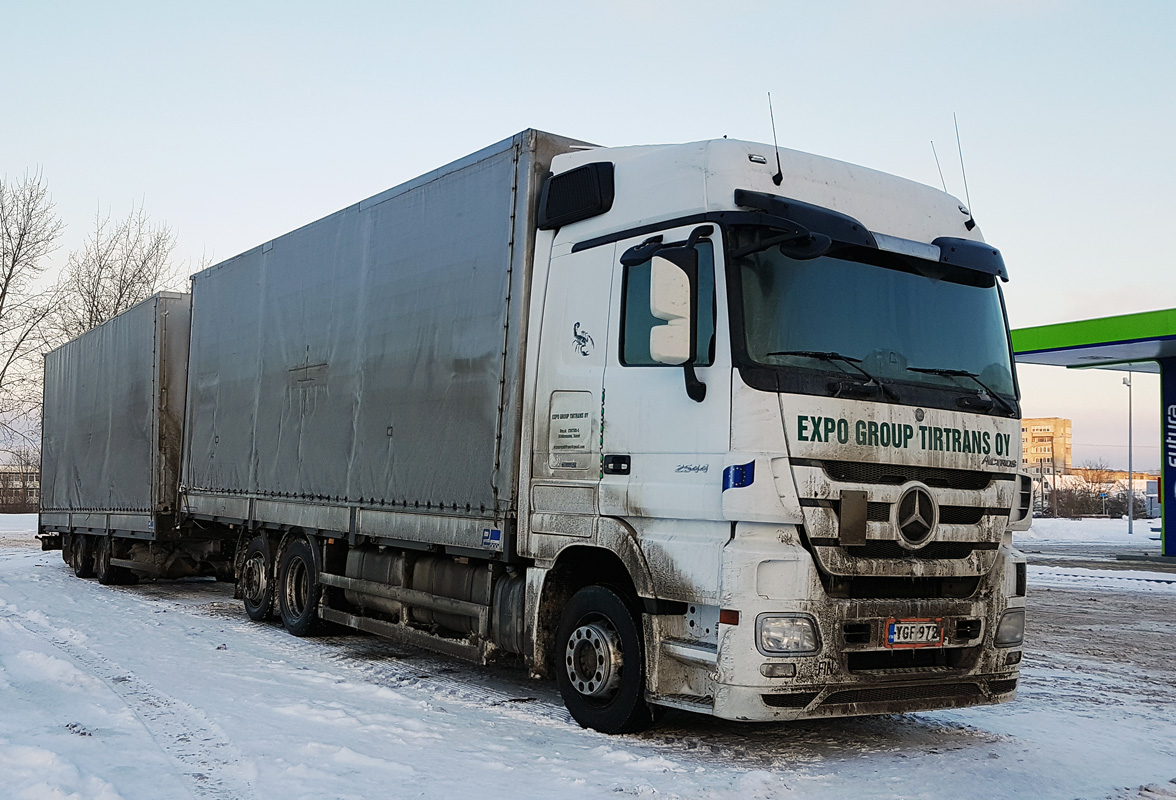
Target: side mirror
[673, 276]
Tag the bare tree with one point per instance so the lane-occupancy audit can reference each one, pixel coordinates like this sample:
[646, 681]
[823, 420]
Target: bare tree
[29, 230]
[122, 263]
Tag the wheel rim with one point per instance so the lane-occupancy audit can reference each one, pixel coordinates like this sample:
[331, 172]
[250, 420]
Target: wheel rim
[254, 580]
[594, 659]
[297, 587]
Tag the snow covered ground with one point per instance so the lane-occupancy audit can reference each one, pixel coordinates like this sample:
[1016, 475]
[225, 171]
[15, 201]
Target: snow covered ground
[168, 691]
[1093, 531]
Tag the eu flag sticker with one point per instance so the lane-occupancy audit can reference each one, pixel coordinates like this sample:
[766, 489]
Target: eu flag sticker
[491, 539]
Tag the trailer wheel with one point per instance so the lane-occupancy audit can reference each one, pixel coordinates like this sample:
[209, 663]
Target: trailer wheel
[298, 589]
[257, 589]
[82, 556]
[107, 575]
[601, 662]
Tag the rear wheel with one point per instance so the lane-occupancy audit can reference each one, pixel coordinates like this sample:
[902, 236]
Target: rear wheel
[106, 573]
[601, 669]
[82, 556]
[298, 589]
[257, 587]
[109, 575]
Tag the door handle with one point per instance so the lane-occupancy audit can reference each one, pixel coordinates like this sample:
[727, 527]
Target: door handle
[616, 465]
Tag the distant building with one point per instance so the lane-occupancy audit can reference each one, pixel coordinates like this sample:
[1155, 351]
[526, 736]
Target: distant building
[20, 487]
[1046, 445]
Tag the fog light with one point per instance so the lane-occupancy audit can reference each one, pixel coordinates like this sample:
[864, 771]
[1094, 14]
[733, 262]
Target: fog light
[778, 670]
[1013, 658]
[786, 634]
[1011, 630]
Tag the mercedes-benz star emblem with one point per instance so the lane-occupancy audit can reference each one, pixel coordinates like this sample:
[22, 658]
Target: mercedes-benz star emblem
[917, 514]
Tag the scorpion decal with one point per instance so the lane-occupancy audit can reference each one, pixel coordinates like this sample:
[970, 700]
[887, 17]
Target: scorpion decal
[582, 340]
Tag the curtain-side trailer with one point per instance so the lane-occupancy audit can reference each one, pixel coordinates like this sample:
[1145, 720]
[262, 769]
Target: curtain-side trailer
[669, 424]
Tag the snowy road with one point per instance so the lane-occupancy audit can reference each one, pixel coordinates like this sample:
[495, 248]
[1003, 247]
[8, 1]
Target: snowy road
[167, 690]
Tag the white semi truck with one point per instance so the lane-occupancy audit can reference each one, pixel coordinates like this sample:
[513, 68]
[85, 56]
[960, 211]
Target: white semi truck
[698, 426]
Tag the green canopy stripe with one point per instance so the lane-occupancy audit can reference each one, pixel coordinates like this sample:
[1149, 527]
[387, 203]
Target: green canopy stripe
[1147, 325]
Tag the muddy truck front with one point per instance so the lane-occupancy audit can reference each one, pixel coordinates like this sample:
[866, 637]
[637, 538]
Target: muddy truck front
[780, 394]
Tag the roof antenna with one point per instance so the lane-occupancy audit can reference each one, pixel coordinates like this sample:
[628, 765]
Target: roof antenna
[778, 178]
[941, 180]
[971, 223]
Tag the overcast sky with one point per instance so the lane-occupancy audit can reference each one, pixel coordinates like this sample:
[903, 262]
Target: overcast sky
[236, 122]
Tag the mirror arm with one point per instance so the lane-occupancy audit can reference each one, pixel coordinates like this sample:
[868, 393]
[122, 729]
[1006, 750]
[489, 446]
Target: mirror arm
[695, 389]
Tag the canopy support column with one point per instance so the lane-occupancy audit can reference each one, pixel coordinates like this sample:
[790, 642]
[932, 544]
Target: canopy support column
[1168, 456]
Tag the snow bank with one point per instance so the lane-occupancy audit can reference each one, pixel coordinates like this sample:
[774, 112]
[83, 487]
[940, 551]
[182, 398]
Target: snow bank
[18, 523]
[1088, 531]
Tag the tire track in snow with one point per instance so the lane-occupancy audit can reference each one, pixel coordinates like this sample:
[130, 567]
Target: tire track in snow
[393, 665]
[506, 690]
[203, 756]
[1101, 577]
[696, 739]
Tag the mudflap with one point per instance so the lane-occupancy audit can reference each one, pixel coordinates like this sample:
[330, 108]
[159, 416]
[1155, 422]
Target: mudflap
[49, 541]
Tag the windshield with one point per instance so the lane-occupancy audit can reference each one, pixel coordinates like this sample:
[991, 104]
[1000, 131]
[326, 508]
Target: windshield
[893, 319]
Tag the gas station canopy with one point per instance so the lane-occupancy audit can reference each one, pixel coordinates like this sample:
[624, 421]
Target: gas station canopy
[1132, 342]
[1143, 342]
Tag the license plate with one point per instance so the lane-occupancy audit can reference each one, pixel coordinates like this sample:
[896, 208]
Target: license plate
[914, 633]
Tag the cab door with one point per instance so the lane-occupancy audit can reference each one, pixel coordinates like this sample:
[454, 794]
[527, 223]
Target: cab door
[663, 452]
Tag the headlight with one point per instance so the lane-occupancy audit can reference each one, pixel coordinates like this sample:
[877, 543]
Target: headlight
[781, 635]
[1011, 630]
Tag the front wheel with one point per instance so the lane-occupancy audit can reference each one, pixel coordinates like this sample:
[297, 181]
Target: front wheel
[601, 669]
[298, 589]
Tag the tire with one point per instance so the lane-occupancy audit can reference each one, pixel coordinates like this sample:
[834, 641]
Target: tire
[600, 662]
[82, 556]
[257, 584]
[107, 575]
[298, 589]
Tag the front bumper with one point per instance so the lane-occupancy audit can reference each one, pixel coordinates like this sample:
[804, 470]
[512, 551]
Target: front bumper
[760, 703]
[855, 672]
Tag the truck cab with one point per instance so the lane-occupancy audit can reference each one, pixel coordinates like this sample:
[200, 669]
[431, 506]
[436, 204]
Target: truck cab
[775, 401]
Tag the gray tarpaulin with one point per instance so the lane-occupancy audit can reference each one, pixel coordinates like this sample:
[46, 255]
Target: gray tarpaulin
[111, 433]
[374, 356]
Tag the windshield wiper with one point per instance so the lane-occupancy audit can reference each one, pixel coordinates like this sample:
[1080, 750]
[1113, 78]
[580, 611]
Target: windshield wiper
[853, 362]
[963, 373]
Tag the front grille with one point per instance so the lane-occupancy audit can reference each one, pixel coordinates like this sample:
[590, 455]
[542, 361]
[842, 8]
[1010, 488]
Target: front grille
[961, 515]
[898, 694]
[889, 549]
[794, 700]
[916, 658]
[866, 587]
[880, 512]
[1002, 687]
[898, 474]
